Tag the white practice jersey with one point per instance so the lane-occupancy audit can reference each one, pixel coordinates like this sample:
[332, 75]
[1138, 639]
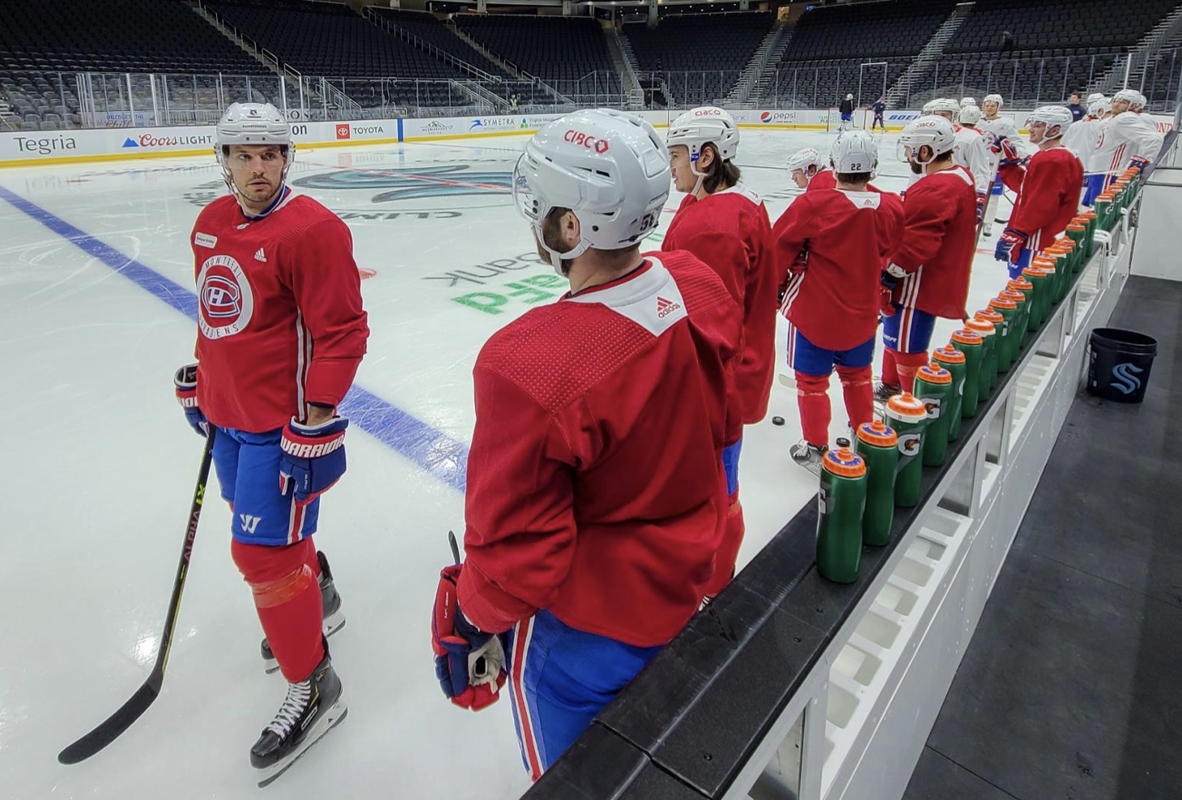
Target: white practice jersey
[996, 129]
[971, 152]
[1122, 137]
[1082, 138]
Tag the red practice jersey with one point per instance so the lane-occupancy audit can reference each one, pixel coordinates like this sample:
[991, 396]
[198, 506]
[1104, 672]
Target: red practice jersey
[1048, 190]
[825, 179]
[731, 233]
[835, 244]
[595, 480]
[939, 237]
[280, 322]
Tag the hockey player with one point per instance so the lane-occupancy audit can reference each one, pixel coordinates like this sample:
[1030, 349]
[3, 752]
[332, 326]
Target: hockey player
[1083, 136]
[281, 332]
[879, 108]
[808, 167]
[1127, 139]
[965, 102]
[596, 498]
[726, 225]
[994, 128]
[1048, 188]
[931, 267]
[833, 244]
[847, 113]
[975, 156]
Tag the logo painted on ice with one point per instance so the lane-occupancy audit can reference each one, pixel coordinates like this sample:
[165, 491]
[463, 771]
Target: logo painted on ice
[1123, 380]
[227, 302]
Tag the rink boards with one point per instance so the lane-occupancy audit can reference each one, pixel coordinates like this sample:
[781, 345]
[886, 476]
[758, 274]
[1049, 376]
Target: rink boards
[32, 148]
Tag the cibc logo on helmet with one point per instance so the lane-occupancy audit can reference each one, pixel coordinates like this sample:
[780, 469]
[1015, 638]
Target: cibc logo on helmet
[585, 140]
[708, 112]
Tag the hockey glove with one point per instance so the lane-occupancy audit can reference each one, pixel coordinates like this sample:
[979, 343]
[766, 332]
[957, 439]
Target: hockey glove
[185, 381]
[1010, 245]
[313, 458]
[886, 293]
[1009, 152]
[981, 198]
[1139, 162]
[469, 663]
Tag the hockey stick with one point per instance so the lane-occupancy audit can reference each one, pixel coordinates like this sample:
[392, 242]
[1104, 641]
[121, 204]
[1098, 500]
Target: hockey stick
[130, 711]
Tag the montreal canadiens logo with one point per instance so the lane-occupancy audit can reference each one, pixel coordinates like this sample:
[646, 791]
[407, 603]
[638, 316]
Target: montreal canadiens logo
[227, 302]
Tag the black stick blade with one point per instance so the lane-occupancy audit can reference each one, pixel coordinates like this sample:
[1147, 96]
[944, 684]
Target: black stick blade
[114, 725]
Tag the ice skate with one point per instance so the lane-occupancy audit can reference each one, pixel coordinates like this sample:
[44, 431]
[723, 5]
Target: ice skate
[808, 456]
[334, 619]
[311, 709]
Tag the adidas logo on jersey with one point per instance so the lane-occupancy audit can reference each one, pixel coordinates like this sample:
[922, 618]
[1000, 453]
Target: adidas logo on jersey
[260, 256]
[666, 307]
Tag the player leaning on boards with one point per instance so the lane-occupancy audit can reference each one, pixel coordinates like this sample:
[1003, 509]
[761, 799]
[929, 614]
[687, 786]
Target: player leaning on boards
[281, 332]
[1127, 139]
[726, 225]
[928, 275]
[830, 246]
[596, 497]
[810, 170]
[1048, 187]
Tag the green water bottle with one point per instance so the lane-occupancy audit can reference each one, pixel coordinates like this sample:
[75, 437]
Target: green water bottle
[1019, 296]
[1093, 222]
[1009, 311]
[1103, 209]
[1061, 250]
[989, 342]
[907, 414]
[999, 328]
[878, 446]
[1041, 277]
[842, 500]
[952, 360]
[933, 385]
[970, 343]
[1077, 232]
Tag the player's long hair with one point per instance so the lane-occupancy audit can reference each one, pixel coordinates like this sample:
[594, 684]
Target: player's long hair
[721, 174]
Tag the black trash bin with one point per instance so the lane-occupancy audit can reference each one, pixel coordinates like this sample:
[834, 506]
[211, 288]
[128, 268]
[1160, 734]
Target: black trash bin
[1119, 362]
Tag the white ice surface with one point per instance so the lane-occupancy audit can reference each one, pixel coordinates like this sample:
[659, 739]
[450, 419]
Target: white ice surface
[98, 465]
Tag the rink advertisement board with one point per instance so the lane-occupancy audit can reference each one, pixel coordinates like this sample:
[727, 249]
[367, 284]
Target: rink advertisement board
[27, 148]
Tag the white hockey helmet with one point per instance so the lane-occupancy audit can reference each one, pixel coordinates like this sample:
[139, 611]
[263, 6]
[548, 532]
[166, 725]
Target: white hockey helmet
[854, 151]
[700, 126]
[935, 132]
[994, 98]
[1130, 96]
[1139, 103]
[970, 115]
[251, 123]
[1053, 117]
[849, 97]
[1094, 96]
[1099, 107]
[802, 160]
[942, 105]
[609, 167]
[967, 101]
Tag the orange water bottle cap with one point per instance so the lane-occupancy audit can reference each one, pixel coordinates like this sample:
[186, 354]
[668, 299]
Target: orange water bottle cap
[907, 405]
[949, 354]
[878, 433]
[844, 462]
[966, 336]
[989, 315]
[1003, 302]
[934, 373]
[983, 327]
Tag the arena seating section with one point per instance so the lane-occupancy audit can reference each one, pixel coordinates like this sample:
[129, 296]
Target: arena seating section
[1062, 34]
[559, 50]
[830, 43]
[67, 36]
[717, 46]
[1054, 47]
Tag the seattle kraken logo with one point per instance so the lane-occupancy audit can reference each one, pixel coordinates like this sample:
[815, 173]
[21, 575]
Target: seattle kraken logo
[1123, 378]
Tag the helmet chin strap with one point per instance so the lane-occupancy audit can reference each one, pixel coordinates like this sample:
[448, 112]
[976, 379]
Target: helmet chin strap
[279, 195]
[694, 169]
[556, 257]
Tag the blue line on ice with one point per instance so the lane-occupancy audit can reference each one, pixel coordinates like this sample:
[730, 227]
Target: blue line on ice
[431, 449]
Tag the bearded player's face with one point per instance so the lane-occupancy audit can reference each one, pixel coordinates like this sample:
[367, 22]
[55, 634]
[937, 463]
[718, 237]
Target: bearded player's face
[257, 171]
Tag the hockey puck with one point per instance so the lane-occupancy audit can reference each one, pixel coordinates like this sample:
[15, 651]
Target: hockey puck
[777, 420]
